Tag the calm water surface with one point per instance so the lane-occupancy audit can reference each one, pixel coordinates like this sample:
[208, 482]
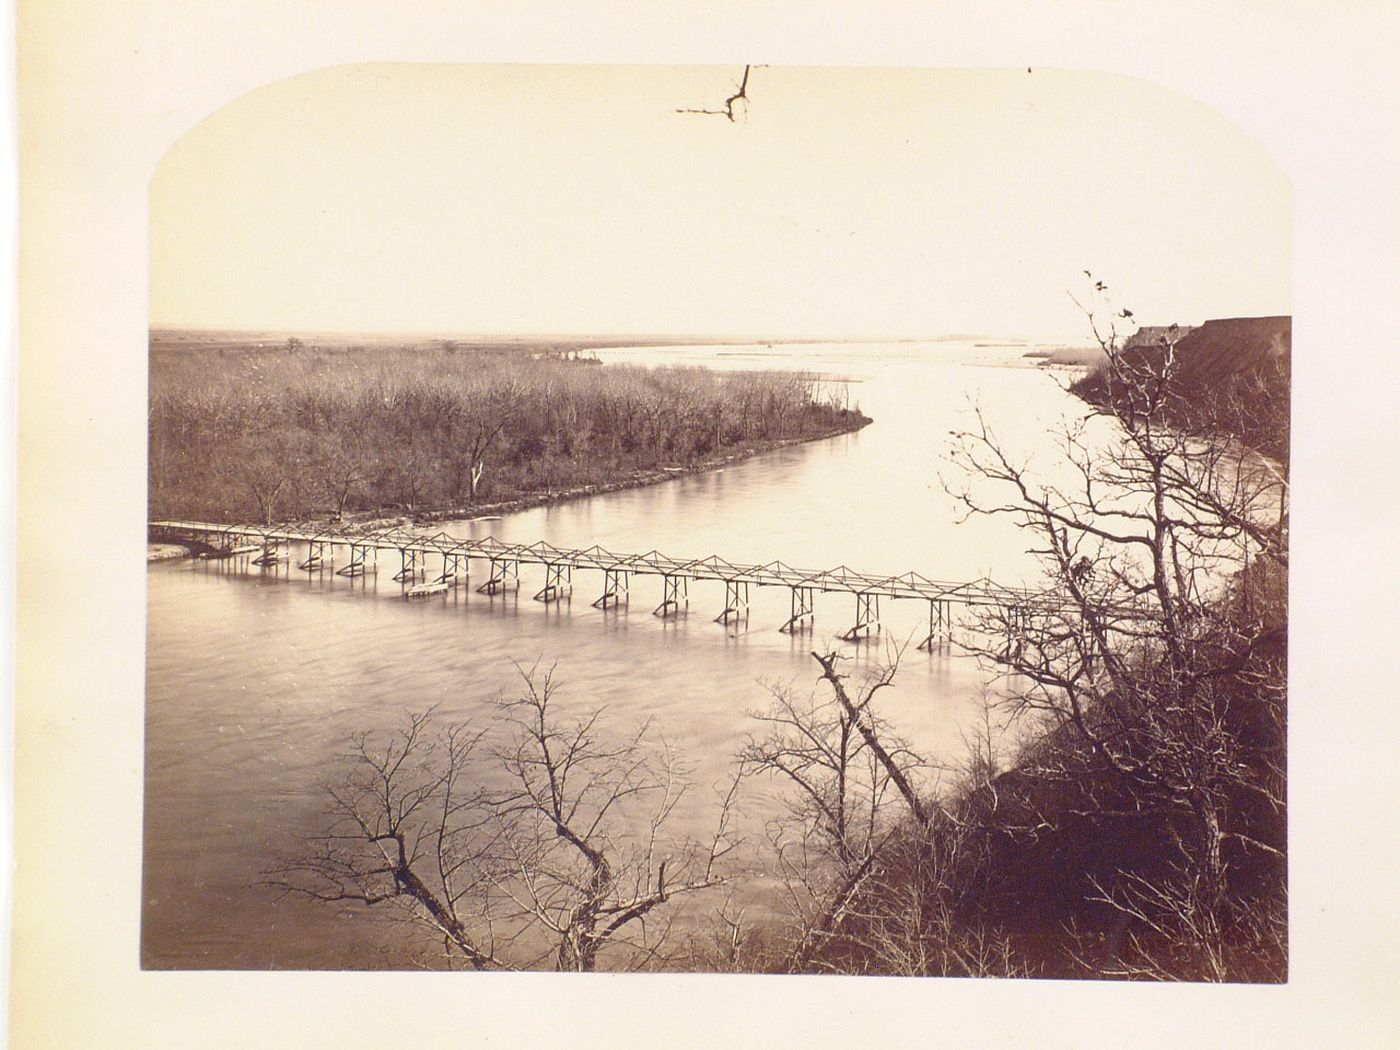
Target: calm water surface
[256, 680]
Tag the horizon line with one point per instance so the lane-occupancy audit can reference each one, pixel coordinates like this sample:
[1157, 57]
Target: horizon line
[497, 336]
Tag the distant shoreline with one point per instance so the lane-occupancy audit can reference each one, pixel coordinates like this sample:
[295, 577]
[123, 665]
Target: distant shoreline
[168, 335]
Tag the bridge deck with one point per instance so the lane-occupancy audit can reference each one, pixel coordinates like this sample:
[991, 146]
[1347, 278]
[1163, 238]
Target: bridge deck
[980, 592]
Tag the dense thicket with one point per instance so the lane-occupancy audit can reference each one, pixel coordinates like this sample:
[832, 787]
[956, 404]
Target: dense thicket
[284, 433]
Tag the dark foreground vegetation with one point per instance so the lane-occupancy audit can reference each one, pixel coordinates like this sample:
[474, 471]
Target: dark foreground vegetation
[1140, 830]
[247, 433]
[1130, 824]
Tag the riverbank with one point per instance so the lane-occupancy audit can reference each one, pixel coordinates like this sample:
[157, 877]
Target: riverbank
[1134, 825]
[636, 479]
[166, 551]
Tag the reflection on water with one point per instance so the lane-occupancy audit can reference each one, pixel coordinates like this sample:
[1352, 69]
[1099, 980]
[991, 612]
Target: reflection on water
[255, 680]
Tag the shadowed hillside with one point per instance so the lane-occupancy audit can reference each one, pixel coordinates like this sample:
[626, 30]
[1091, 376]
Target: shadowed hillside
[1231, 376]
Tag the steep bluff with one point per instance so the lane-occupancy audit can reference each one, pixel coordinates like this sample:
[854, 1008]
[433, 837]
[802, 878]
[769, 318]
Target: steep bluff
[1233, 376]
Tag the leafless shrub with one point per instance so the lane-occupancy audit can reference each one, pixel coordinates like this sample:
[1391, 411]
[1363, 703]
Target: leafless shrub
[551, 852]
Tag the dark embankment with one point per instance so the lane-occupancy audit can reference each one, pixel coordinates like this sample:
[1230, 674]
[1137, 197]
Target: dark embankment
[1231, 376]
[1140, 830]
[251, 433]
[1065, 866]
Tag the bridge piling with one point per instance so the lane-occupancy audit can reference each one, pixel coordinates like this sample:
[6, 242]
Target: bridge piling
[615, 588]
[317, 557]
[409, 565]
[361, 556]
[675, 591]
[272, 554]
[802, 608]
[736, 602]
[1017, 619]
[867, 617]
[940, 624]
[455, 569]
[558, 582]
[503, 571]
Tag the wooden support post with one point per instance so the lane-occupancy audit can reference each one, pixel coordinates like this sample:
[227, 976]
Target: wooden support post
[241, 546]
[410, 567]
[359, 565]
[273, 553]
[558, 582]
[455, 569]
[940, 624]
[675, 592]
[503, 572]
[867, 617]
[615, 588]
[233, 544]
[736, 602]
[802, 609]
[1017, 619]
[318, 556]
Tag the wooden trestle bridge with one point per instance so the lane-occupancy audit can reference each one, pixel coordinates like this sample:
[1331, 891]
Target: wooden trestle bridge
[269, 546]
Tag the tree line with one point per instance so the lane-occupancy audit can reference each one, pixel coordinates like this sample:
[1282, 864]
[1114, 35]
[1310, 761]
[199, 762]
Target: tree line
[292, 433]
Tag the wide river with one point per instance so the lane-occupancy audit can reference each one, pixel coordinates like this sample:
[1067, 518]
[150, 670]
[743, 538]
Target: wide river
[255, 681]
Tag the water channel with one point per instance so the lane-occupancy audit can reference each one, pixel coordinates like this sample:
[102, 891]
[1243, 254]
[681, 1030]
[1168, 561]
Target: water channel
[256, 680]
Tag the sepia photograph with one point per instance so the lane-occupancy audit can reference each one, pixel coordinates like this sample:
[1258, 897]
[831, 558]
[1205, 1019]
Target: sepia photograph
[635, 518]
[703, 525]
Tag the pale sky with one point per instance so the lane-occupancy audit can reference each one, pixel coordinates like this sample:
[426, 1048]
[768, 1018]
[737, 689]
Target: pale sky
[848, 203]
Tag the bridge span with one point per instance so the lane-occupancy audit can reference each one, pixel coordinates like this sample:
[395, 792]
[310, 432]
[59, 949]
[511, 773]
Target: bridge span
[450, 556]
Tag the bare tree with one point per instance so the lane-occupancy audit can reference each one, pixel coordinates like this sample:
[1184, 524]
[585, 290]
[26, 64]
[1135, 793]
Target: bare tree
[473, 421]
[269, 466]
[582, 821]
[406, 828]
[844, 767]
[838, 789]
[542, 849]
[891, 763]
[880, 872]
[345, 463]
[1154, 659]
